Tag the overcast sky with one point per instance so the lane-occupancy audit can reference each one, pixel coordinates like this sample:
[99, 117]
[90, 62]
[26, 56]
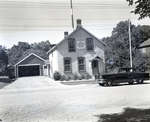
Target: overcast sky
[37, 20]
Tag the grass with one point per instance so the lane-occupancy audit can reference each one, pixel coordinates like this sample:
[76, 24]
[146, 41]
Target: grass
[129, 115]
[4, 81]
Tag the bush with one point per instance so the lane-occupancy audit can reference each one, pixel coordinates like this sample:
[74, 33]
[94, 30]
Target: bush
[63, 77]
[57, 76]
[88, 76]
[67, 78]
[82, 76]
[75, 77]
[79, 77]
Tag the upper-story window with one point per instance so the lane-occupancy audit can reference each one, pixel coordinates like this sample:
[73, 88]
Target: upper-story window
[89, 44]
[67, 64]
[71, 45]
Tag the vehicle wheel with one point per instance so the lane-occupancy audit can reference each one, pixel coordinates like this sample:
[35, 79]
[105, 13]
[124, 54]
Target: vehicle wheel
[131, 82]
[140, 81]
[101, 84]
[109, 83]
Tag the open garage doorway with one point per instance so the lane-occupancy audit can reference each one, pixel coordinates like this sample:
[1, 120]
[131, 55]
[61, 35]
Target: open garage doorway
[32, 70]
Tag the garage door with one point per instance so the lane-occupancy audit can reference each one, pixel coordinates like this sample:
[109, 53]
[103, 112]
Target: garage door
[28, 71]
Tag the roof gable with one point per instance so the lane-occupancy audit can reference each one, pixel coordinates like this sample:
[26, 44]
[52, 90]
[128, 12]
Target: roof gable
[32, 54]
[145, 44]
[76, 30]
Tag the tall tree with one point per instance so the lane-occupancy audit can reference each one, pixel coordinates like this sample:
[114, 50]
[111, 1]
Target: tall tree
[3, 60]
[17, 51]
[142, 7]
[117, 52]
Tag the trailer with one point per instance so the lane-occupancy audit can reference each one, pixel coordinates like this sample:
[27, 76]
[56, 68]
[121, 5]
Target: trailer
[125, 75]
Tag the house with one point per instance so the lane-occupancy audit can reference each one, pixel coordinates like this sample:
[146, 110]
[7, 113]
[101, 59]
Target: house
[32, 65]
[145, 49]
[78, 53]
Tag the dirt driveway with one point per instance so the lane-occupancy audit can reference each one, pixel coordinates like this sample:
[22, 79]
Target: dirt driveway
[40, 99]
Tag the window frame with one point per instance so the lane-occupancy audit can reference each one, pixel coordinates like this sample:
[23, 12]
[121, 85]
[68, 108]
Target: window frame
[84, 64]
[91, 44]
[70, 65]
[71, 49]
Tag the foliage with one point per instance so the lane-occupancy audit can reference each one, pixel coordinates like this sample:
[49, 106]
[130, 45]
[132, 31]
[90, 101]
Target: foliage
[142, 7]
[63, 77]
[67, 78]
[22, 49]
[75, 76]
[57, 76]
[87, 76]
[3, 61]
[117, 50]
[16, 52]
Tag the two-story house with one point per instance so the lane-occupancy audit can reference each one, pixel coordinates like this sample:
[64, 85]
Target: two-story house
[78, 53]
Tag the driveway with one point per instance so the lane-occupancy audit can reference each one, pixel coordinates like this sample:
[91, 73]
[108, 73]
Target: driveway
[40, 99]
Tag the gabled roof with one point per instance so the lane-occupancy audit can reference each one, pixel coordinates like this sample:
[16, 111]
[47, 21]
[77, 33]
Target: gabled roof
[77, 29]
[29, 56]
[145, 44]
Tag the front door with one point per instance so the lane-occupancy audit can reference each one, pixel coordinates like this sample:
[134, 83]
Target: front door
[95, 67]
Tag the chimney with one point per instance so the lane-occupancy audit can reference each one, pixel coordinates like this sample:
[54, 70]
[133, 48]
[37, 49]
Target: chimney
[65, 34]
[79, 22]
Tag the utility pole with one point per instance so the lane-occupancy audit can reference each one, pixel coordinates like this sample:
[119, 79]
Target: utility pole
[130, 46]
[72, 18]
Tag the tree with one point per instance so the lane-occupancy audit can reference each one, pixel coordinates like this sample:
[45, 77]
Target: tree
[3, 60]
[142, 7]
[117, 52]
[43, 45]
[17, 51]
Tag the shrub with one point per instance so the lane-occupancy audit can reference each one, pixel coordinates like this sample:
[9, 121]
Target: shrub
[79, 77]
[67, 78]
[88, 76]
[57, 76]
[63, 77]
[75, 77]
[82, 76]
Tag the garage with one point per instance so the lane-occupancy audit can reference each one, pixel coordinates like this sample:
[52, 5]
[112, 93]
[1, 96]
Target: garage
[31, 65]
[29, 70]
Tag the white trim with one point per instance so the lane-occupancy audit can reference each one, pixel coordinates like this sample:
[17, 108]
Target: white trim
[28, 57]
[45, 69]
[29, 65]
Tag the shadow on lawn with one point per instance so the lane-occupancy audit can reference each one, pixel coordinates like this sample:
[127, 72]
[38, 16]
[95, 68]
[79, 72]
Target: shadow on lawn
[129, 115]
[4, 82]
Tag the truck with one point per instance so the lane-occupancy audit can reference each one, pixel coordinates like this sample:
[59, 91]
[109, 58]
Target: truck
[124, 75]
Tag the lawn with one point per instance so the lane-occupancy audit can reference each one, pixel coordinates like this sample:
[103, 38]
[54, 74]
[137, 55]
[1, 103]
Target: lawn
[4, 81]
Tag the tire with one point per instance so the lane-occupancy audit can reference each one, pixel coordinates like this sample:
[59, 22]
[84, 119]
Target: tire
[140, 81]
[101, 84]
[130, 82]
[109, 83]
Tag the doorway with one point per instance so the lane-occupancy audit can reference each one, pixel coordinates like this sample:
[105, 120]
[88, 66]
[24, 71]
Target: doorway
[95, 67]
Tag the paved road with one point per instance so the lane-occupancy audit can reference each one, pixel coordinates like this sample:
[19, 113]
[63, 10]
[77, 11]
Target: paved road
[39, 99]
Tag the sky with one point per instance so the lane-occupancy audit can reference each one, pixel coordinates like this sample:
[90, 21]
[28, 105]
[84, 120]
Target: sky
[39, 20]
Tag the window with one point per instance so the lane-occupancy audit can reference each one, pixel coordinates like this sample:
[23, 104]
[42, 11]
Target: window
[67, 64]
[71, 45]
[81, 64]
[45, 67]
[89, 44]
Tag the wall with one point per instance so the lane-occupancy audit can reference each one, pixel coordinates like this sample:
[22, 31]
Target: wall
[53, 60]
[80, 35]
